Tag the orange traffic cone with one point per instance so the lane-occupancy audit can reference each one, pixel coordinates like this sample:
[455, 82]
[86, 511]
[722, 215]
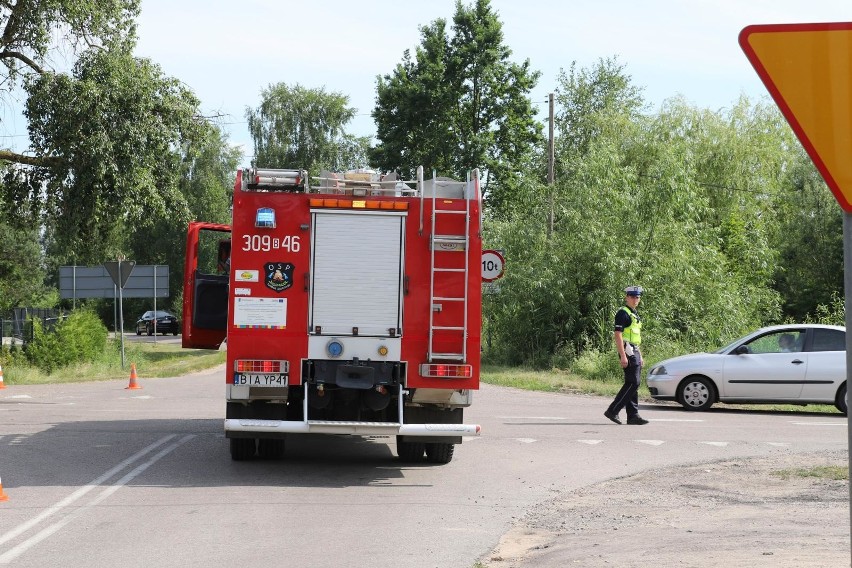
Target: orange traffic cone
[3, 496]
[133, 384]
[2, 386]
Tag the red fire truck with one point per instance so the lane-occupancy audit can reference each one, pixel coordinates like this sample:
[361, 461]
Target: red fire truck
[349, 304]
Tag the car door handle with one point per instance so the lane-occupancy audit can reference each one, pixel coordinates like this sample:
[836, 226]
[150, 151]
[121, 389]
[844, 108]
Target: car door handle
[797, 361]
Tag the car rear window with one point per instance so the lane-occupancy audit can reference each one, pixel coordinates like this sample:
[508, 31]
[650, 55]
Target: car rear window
[828, 340]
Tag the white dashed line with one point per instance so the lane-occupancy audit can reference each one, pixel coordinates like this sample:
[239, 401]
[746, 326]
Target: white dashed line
[819, 424]
[526, 440]
[13, 553]
[652, 442]
[590, 442]
[717, 444]
[532, 417]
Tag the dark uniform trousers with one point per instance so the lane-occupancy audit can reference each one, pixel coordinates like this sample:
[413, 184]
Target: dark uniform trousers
[628, 396]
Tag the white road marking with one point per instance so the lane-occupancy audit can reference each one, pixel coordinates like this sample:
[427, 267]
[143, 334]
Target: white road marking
[590, 442]
[652, 442]
[717, 444]
[18, 396]
[526, 440]
[23, 527]
[820, 424]
[778, 444]
[533, 417]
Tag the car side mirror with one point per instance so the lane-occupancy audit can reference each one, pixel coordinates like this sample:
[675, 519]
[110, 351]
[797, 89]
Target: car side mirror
[742, 350]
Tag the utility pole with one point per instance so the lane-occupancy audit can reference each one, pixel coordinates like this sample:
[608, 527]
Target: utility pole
[550, 167]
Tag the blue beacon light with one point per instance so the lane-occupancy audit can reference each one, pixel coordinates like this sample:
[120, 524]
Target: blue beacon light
[265, 218]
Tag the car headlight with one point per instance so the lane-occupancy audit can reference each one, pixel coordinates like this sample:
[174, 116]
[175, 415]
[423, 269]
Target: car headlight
[658, 370]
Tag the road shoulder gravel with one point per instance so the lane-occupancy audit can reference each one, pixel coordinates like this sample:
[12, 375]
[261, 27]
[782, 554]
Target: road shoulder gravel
[736, 512]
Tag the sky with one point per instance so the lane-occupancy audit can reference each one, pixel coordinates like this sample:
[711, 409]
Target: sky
[227, 52]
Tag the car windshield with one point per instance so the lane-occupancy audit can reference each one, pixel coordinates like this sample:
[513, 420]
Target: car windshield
[159, 314]
[728, 346]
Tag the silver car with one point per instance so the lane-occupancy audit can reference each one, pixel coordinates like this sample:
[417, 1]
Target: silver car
[790, 364]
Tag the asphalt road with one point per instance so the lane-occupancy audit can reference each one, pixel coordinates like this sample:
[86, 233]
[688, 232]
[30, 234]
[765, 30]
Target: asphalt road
[101, 476]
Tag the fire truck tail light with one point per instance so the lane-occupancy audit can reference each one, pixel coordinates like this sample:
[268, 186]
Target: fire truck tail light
[260, 366]
[446, 371]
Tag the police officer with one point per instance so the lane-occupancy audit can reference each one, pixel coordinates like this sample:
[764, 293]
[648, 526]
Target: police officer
[628, 336]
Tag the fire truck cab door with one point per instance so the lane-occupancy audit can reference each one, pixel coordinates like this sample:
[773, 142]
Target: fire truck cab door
[205, 286]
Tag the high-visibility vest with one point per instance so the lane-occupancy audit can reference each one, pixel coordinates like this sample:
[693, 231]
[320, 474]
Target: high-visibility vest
[632, 333]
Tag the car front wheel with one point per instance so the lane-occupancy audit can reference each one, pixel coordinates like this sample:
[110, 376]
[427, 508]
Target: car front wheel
[696, 393]
[841, 402]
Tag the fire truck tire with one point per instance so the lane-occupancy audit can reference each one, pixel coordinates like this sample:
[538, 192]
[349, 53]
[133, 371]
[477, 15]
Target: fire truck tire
[439, 453]
[243, 448]
[270, 449]
[410, 451]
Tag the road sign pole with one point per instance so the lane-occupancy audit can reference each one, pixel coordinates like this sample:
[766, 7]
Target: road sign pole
[847, 285]
[121, 318]
[155, 303]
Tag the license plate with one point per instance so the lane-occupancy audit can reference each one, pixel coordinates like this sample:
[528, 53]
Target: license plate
[261, 379]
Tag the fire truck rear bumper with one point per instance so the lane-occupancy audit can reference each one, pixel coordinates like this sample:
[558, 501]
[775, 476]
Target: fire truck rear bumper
[357, 428]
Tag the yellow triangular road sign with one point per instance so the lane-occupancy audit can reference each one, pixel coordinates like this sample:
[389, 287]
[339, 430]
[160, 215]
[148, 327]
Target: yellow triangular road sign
[807, 69]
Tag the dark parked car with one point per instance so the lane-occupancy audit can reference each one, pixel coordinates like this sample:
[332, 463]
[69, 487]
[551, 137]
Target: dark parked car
[166, 323]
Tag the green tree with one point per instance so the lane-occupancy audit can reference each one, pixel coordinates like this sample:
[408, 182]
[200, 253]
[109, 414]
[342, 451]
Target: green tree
[114, 128]
[204, 180]
[295, 127]
[637, 203]
[809, 240]
[460, 103]
[28, 30]
[22, 271]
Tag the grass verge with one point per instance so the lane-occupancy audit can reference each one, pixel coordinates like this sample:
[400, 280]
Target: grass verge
[831, 472]
[151, 359]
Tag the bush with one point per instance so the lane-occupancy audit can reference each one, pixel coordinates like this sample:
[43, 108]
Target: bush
[12, 354]
[79, 337]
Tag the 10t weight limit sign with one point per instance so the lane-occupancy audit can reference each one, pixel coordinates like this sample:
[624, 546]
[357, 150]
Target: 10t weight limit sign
[492, 265]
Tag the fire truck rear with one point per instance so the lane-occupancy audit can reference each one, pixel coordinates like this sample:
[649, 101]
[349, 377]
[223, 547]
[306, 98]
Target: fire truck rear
[351, 304]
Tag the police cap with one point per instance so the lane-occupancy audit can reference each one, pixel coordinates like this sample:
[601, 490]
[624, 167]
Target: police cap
[633, 290]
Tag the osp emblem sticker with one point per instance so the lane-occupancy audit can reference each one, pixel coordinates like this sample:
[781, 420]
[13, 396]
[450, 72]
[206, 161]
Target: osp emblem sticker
[278, 276]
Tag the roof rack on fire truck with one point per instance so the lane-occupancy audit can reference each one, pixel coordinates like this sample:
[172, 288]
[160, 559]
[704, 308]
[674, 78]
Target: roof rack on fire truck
[265, 179]
[364, 182]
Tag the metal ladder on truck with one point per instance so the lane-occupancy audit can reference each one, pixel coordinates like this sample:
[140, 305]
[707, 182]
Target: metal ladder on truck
[448, 244]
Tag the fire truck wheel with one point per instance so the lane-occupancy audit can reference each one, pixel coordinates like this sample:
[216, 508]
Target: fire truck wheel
[243, 448]
[410, 451]
[270, 449]
[439, 453]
